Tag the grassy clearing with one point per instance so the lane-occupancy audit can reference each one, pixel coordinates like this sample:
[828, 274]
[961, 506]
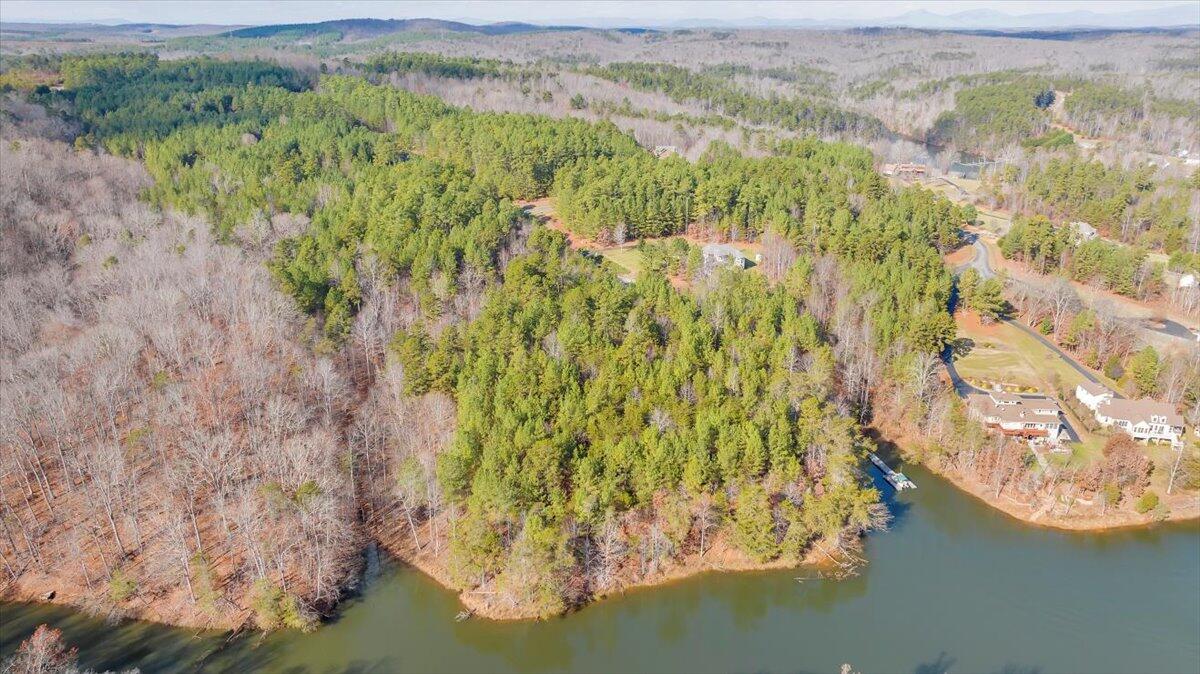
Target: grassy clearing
[991, 361]
[1003, 354]
[1008, 355]
[992, 221]
[629, 259]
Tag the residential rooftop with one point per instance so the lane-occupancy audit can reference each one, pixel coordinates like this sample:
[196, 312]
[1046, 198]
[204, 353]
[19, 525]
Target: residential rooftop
[722, 250]
[1015, 407]
[1095, 388]
[1138, 411]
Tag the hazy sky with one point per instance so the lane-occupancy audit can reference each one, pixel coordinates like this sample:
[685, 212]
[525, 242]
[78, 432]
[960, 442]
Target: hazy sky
[295, 11]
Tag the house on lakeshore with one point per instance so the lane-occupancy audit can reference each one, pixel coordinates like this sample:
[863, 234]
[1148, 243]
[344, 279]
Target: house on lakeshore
[722, 255]
[1033, 417]
[1091, 394]
[1145, 420]
[909, 169]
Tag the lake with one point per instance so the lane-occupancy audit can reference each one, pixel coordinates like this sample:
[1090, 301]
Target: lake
[952, 586]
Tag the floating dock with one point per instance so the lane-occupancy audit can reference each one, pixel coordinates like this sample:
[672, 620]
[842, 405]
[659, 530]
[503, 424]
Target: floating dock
[897, 480]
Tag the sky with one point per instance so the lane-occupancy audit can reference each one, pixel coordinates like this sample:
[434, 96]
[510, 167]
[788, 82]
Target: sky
[258, 12]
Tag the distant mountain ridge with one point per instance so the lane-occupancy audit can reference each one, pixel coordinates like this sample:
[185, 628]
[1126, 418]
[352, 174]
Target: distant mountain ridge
[357, 29]
[1180, 16]
[1173, 16]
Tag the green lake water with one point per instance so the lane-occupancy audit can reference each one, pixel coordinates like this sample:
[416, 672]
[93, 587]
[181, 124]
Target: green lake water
[953, 586]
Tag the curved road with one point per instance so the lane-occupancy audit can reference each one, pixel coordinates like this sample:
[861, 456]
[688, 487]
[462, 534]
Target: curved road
[1165, 326]
[981, 264]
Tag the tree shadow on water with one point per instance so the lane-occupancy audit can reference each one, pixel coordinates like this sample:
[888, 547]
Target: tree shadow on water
[939, 665]
[889, 452]
[1019, 669]
[384, 666]
[944, 663]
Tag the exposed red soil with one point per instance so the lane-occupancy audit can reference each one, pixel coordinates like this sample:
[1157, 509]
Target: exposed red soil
[970, 321]
[695, 234]
[961, 256]
[1046, 511]
[1144, 309]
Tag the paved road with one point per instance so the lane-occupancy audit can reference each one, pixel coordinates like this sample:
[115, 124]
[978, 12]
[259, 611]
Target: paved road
[1173, 329]
[981, 264]
[961, 386]
[1054, 347]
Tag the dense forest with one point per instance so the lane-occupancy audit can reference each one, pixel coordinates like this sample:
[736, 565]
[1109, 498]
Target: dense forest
[1136, 206]
[603, 431]
[1006, 108]
[995, 112]
[713, 89]
[276, 299]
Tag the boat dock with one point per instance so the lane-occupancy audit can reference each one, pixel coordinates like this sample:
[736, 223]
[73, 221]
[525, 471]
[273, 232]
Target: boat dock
[897, 480]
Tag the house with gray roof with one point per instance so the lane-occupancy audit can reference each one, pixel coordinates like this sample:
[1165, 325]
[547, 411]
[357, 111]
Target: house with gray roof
[723, 255]
[1033, 417]
[1145, 420]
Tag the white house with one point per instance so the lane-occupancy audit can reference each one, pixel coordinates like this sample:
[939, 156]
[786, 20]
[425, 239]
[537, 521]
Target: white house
[1146, 420]
[1187, 281]
[1036, 418]
[1092, 394]
[1084, 231]
[723, 254]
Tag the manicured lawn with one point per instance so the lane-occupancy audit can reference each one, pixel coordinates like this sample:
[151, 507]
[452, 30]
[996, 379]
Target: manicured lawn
[1007, 355]
[630, 259]
[991, 361]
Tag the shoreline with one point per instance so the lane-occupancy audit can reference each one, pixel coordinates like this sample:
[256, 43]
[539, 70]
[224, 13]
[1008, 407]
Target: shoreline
[395, 541]
[1031, 514]
[719, 558]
